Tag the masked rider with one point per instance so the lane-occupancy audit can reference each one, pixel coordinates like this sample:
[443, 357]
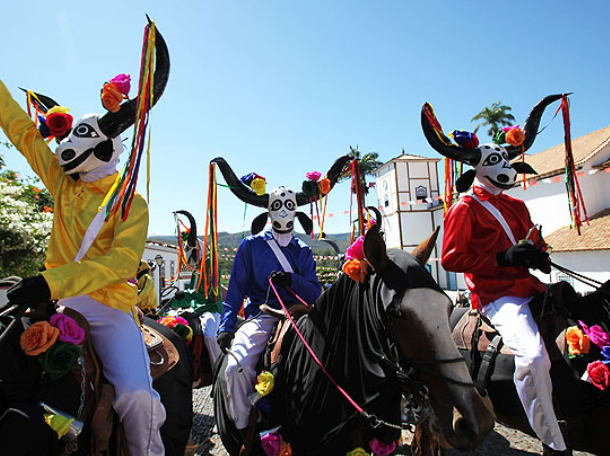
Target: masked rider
[94, 279]
[273, 254]
[490, 237]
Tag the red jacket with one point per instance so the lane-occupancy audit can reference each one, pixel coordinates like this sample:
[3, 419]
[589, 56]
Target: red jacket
[472, 239]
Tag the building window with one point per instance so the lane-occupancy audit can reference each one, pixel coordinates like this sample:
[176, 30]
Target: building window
[421, 192]
[565, 278]
[451, 281]
[172, 268]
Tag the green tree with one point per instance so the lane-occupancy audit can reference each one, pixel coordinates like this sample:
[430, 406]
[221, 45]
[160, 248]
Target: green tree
[368, 164]
[495, 117]
[26, 217]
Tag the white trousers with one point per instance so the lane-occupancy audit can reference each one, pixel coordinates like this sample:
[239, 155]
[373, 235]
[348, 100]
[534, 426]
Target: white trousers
[119, 344]
[513, 319]
[249, 343]
[210, 321]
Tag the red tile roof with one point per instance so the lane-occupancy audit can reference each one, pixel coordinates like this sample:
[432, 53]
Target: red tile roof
[595, 236]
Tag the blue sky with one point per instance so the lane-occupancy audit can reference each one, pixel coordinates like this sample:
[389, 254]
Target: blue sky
[282, 87]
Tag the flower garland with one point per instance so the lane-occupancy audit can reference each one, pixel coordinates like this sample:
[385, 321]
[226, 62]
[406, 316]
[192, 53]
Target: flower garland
[589, 345]
[356, 266]
[180, 327]
[55, 343]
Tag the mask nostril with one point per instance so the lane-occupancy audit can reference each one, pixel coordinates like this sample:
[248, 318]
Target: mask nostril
[503, 178]
[68, 154]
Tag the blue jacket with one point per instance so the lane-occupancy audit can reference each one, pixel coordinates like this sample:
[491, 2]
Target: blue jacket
[253, 264]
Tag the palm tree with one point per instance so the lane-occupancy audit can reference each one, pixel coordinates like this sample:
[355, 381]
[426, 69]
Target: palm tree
[495, 117]
[368, 164]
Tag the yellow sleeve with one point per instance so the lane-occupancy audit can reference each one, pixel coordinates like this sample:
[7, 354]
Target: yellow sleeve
[116, 266]
[24, 135]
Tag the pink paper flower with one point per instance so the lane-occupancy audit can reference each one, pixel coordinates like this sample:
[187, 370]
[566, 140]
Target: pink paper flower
[122, 82]
[270, 443]
[314, 175]
[69, 331]
[381, 449]
[356, 250]
[507, 129]
[596, 334]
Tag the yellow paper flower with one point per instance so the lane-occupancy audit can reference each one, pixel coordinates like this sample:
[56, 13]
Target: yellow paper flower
[258, 185]
[265, 383]
[58, 423]
[58, 109]
[358, 451]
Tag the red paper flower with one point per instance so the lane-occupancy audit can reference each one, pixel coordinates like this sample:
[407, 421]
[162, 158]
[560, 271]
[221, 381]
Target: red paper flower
[59, 124]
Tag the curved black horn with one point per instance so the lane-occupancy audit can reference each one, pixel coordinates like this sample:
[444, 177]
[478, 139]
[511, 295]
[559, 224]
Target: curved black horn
[333, 175]
[377, 214]
[530, 128]
[239, 189]
[191, 239]
[439, 142]
[43, 102]
[113, 124]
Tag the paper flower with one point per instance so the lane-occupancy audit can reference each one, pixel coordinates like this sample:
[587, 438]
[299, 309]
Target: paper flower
[58, 121]
[171, 321]
[599, 375]
[324, 186]
[356, 250]
[313, 176]
[356, 270]
[264, 383]
[122, 82]
[69, 331]
[381, 449]
[515, 136]
[184, 331]
[358, 451]
[258, 185]
[465, 139]
[310, 188]
[578, 342]
[606, 355]
[59, 359]
[596, 334]
[38, 338]
[112, 97]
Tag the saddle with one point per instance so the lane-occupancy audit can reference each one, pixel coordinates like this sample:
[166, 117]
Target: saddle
[482, 347]
[296, 311]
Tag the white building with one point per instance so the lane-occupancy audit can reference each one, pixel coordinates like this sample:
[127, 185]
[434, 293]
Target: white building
[163, 261]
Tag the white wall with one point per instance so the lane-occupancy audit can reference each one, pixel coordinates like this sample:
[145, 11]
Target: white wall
[594, 264]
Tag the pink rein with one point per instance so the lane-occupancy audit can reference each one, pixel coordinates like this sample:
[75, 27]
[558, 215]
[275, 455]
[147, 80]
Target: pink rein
[309, 349]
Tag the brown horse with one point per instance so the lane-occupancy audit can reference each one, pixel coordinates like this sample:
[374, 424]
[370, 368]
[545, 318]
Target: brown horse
[584, 408]
[378, 340]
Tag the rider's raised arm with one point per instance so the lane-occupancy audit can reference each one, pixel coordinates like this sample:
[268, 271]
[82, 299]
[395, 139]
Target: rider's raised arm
[21, 131]
[114, 267]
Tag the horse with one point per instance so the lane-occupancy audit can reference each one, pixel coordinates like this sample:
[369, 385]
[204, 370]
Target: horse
[26, 391]
[583, 410]
[377, 340]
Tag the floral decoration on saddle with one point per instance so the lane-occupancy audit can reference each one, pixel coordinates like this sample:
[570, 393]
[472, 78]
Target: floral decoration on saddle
[590, 345]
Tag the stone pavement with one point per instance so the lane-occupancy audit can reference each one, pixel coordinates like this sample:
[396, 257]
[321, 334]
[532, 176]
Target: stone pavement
[502, 441]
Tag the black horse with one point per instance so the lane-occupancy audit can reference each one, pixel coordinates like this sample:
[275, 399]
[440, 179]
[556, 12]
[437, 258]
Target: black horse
[24, 385]
[379, 339]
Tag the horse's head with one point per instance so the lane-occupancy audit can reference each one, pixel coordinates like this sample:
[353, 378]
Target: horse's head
[418, 322]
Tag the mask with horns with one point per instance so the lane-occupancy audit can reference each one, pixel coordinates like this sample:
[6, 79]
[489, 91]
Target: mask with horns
[491, 162]
[94, 143]
[281, 203]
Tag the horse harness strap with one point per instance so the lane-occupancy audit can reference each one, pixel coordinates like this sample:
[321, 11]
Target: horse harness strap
[486, 366]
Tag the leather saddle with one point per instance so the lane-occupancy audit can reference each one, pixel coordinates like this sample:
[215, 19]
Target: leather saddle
[296, 311]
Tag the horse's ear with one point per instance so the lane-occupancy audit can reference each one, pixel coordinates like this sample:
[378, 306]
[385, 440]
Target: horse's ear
[374, 249]
[423, 251]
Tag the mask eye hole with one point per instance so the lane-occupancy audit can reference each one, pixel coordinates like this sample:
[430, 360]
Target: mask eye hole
[492, 159]
[289, 205]
[85, 131]
[276, 205]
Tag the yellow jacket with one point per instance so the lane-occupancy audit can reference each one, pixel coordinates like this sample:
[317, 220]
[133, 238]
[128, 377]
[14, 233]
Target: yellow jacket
[115, 254]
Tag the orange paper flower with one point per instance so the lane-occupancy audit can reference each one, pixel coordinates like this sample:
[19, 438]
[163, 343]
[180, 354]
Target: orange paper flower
[38, 338]
[324, 186]
[356, 269]
[111, 97]
[578, 342]
[515, 137]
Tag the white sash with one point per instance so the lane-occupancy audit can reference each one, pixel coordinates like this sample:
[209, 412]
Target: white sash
[279, 255]
[493, 210]
[92, 231]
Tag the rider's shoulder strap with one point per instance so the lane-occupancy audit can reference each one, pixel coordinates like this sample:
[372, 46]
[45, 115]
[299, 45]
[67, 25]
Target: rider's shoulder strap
[493, 210]
[272, 243]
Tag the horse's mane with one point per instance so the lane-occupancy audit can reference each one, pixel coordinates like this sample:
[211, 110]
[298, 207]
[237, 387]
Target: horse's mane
[346, 329]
